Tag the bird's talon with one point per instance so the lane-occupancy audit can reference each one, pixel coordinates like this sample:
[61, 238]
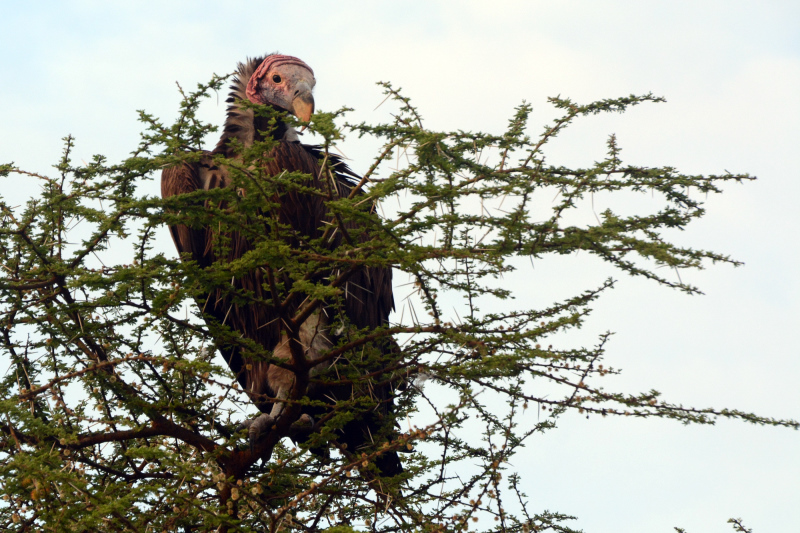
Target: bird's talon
[304, 420]
[257, 427]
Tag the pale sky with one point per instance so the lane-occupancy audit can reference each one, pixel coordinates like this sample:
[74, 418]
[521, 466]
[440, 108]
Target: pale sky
[730, 71]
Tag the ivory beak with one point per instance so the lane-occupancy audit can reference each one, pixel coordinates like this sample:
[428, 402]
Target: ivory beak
[303, 103]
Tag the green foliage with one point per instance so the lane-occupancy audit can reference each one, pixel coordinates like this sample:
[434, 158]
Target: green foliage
[118, 414]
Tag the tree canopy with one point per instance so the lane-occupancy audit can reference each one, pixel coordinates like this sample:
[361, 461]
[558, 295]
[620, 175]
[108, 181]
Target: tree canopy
[119, 415]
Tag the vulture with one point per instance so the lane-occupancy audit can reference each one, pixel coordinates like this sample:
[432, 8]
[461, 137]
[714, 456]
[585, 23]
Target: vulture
[285, 83]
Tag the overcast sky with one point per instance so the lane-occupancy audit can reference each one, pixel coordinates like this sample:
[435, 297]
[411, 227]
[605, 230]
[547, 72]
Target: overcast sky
[730, 71]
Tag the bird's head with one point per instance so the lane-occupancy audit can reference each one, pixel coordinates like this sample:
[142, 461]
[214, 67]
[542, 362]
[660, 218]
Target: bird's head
[284, 82]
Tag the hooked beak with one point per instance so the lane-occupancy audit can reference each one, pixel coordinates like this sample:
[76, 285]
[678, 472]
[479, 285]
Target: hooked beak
[303, 102]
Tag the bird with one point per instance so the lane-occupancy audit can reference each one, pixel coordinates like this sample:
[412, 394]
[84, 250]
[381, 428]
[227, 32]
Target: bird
[285, 83]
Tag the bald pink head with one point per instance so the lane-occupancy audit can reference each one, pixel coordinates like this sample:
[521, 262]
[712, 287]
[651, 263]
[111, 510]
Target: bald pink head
[273, 62]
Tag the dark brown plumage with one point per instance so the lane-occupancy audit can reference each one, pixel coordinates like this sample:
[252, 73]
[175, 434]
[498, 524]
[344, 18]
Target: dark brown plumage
[285, 83]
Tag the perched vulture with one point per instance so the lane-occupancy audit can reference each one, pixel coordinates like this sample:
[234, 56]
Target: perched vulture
[285, 83]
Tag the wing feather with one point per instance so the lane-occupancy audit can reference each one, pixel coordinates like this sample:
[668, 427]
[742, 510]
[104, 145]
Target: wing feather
[181, 179]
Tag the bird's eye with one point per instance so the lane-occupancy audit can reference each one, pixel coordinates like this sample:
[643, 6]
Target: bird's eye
[276, 78]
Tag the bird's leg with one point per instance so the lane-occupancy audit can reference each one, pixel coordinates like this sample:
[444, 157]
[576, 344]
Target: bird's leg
[282, 380]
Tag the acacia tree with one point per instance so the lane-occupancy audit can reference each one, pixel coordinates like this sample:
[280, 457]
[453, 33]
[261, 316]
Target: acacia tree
[118, 414]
